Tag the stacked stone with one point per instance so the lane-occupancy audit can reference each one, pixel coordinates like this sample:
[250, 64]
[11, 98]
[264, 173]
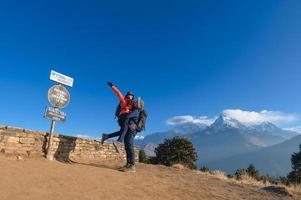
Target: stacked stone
[23, 142]
[94, 150]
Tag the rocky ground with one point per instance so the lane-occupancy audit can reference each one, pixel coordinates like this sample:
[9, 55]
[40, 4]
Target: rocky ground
[36, 179]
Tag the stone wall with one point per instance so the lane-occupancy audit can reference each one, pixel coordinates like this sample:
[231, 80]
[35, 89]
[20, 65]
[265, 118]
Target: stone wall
[28, 143]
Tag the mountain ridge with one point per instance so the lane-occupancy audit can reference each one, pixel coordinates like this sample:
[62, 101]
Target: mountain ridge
[263, 158]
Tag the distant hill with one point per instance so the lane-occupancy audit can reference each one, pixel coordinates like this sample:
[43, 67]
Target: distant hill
[274, 160]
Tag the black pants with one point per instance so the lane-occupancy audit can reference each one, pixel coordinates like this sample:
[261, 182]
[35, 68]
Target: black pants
[124, 122]
[121, 121]
[129, 146]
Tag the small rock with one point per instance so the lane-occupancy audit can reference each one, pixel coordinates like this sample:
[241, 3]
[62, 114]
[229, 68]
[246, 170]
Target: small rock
[19, 158]
[178, 166]
[27, 140]
[277, 190]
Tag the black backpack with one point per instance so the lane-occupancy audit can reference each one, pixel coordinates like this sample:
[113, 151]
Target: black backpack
[141, 122]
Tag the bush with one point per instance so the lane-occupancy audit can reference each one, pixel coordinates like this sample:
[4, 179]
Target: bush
[264, 179]
[229, 176]
[269, 179]
[204, 169]
[253, 172]
[284, 180]
[295, 175]
[142, 156]
[177, 150]
[239, 174]
[152, 160]
[219, 174]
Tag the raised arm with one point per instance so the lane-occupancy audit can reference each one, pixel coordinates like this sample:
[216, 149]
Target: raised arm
[117, 92]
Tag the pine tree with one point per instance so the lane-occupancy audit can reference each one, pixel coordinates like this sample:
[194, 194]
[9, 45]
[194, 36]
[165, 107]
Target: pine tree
[295, 175]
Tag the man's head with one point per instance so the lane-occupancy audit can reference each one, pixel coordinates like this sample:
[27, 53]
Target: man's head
[130, 95]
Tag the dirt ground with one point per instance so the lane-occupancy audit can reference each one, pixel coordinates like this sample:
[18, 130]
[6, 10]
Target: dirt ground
[36, 179]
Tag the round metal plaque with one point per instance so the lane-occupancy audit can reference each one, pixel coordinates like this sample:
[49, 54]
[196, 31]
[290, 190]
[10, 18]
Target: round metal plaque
[58, 96]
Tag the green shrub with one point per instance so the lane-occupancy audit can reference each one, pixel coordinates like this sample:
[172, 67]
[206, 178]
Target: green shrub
[269, 179]
[230, 176]
[142, 156]
[177, 150]
[253, 172]
[284, 180]
[239, 174]
[204, 169]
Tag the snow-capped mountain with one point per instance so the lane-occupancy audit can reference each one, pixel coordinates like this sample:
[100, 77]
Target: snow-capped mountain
[223, 122]
[227, 122]
[264, 134]
[265, 127]
[268, 128]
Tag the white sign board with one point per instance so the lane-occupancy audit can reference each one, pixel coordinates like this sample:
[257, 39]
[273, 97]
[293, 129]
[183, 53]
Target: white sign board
[61, 78]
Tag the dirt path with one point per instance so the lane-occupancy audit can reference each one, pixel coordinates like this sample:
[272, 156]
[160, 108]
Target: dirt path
[37, 179]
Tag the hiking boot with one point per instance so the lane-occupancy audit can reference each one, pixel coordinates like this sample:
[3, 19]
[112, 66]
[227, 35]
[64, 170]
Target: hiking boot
[117, 146]
[123, 167]
[130, 168]
[104, 137]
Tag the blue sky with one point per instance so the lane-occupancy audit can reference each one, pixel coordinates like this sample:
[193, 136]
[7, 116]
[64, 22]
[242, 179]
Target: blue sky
[193, 58]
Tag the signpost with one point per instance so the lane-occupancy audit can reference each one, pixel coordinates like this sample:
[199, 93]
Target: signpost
[55, 114]
[58, 97]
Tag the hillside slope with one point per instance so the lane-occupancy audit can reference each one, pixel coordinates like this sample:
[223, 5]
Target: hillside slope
[37, 179]
[274, 160]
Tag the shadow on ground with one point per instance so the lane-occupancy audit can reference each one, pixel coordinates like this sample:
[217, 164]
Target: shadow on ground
[104, 166]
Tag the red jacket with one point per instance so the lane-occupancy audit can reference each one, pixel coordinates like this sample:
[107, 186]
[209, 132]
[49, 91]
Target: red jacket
[126, 106]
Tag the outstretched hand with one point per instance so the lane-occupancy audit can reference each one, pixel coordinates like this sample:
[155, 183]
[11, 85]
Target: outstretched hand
[110, 84]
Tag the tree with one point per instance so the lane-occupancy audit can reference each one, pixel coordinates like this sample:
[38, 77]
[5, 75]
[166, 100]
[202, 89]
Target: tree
[142, 156]
[253, 172]
[295, 175]
[177, 150]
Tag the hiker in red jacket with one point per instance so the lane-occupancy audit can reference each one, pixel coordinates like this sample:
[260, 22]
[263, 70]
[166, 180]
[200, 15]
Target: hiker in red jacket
[126, 106]
[131, 118]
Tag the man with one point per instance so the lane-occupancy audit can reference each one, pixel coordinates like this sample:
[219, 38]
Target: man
[126, 106]
[128, 115]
